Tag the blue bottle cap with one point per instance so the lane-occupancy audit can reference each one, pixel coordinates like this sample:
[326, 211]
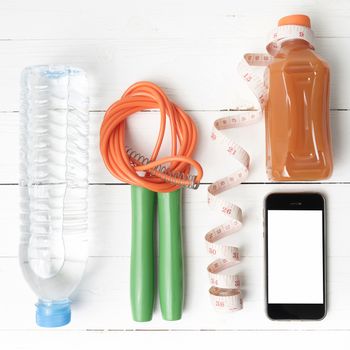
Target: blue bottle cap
[53, 313]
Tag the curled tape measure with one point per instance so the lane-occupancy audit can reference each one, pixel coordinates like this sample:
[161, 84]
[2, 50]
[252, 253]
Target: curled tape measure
[225, 291]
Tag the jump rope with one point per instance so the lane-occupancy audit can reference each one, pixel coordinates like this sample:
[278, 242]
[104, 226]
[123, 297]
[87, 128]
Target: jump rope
[153, 179]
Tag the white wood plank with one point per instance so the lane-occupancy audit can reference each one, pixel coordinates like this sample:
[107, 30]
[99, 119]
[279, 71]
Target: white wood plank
[109, 219]
[104, 291]
[109, 340]
[143, 132]
[191, 49]
[102, 300]
[197, 73]
[274, 340]
[40, 19]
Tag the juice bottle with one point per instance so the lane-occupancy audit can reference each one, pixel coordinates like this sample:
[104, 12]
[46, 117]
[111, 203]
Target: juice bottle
[298, 140]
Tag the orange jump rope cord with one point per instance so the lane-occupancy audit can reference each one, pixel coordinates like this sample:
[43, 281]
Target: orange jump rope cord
[141, 96]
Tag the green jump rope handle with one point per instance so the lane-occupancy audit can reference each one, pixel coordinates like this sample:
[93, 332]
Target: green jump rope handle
[142, 254]
[170, 271]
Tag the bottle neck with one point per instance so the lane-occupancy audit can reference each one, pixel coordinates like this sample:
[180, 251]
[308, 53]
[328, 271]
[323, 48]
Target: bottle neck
[295, 44]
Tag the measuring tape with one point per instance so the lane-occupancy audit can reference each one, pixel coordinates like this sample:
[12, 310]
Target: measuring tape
[225, 291]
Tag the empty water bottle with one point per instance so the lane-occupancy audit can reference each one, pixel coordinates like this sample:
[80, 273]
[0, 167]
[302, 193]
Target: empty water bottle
[53, 186]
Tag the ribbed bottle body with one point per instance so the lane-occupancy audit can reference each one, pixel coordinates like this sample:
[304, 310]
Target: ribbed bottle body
[54, 132]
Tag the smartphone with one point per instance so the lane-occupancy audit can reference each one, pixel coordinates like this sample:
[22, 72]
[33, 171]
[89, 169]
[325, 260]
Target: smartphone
[295, 256]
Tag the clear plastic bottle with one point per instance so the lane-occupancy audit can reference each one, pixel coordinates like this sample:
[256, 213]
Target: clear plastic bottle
[54, 186]
[298, 140]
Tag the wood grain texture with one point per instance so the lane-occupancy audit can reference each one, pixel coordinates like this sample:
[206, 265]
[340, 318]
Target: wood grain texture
[172, 18]
[207, 339]
[198, 73]
[104, 291]
[109, 218]
[142, 133]
[191, 49]
[102, 300]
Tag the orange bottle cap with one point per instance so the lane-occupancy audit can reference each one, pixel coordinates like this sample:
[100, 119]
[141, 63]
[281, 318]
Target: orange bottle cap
[300, 20]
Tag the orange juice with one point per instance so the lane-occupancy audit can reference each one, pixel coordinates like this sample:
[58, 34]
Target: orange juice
[298, 140]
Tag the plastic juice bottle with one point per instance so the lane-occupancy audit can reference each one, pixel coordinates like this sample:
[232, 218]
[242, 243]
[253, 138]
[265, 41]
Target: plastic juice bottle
[298, 140]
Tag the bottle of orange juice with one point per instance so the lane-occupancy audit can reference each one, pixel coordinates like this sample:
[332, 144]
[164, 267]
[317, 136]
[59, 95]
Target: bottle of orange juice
[298, 140]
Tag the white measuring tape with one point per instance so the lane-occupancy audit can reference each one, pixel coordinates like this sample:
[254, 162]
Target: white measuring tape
[225, 291]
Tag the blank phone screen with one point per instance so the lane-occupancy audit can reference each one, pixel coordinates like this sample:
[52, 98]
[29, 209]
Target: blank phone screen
[295, 257]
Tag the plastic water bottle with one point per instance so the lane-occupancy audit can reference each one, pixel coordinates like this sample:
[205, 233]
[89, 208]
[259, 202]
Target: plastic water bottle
[53, 186]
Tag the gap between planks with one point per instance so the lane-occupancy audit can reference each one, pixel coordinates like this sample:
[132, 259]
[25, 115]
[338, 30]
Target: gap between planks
[186, 110]
[210, 183]
[218, 330]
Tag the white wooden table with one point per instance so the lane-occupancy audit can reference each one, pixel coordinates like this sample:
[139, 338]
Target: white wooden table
[191, 49]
